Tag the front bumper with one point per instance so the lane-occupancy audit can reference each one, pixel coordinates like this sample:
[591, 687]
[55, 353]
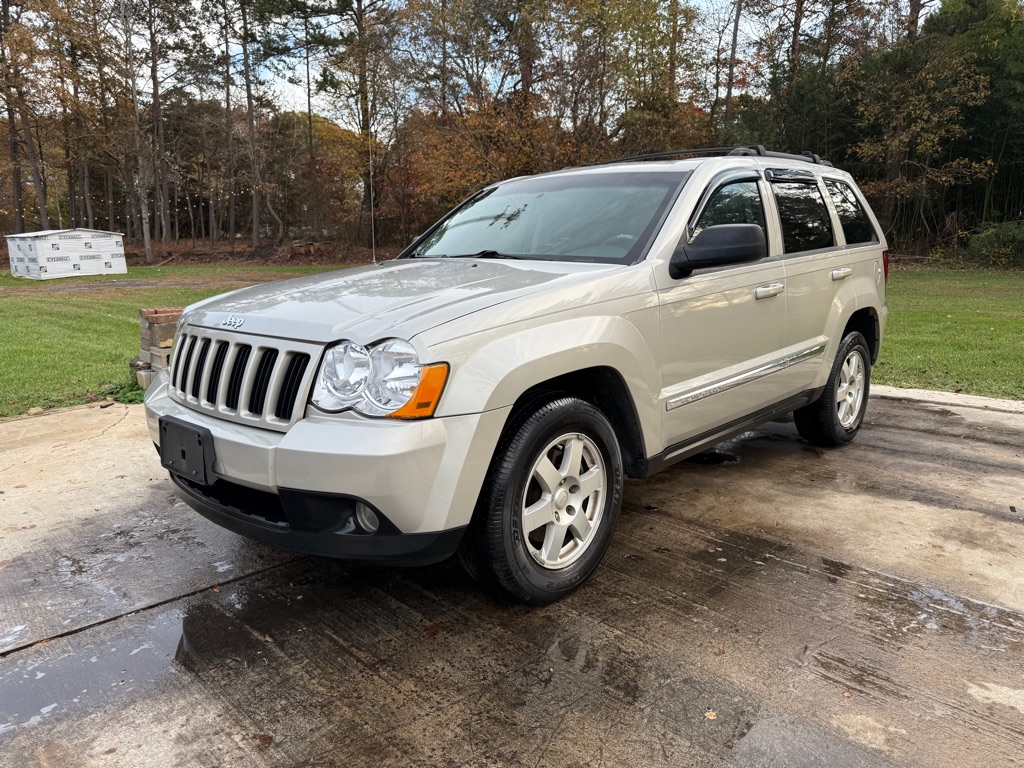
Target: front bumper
[296, 489]
[317, 524]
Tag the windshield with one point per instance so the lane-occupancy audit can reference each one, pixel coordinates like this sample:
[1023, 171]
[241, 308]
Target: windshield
[601, 217]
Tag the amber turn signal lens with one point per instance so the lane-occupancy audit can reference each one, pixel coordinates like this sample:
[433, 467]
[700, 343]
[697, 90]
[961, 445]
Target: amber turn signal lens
[427, 395]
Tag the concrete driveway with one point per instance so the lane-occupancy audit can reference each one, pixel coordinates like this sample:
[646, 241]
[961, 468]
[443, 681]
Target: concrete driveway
[773, 605]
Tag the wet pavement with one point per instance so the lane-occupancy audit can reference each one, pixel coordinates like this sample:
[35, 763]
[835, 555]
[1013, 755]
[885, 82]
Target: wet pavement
[770, 604]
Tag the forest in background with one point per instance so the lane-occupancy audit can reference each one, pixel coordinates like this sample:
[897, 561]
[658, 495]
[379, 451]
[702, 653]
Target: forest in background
[260, 121]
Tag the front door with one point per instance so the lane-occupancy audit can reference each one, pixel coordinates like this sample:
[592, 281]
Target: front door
[722, 328]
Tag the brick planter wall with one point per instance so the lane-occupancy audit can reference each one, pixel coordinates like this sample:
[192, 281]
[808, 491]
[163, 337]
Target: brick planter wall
[155, 341]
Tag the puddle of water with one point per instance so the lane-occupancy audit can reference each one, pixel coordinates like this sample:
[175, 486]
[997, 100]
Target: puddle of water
[895, 611]
[922, 609]
[87, 671]
[212, 637]
[713, 458]
[37, 685]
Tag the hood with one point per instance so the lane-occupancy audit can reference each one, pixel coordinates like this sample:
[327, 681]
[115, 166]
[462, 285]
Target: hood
[396, 298]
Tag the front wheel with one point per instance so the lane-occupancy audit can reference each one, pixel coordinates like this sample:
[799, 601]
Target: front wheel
[550, 503]
[835, 418]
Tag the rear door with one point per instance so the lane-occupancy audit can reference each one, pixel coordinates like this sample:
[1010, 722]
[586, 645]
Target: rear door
[816, 267]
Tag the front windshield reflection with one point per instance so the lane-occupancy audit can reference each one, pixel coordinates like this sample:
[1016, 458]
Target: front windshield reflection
[604, 218]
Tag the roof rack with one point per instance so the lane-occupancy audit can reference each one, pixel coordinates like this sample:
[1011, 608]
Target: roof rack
[753, 150]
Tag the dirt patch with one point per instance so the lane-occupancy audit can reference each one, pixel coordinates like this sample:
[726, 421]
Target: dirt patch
[183, 254]
[111, 288]
[296, 252]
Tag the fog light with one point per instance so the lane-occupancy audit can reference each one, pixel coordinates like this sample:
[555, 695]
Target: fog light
[367, 518]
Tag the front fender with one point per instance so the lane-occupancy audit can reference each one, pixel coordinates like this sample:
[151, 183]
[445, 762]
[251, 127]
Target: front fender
[491, 369]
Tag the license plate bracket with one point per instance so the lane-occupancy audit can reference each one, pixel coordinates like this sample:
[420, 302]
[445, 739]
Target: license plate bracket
[187, 450]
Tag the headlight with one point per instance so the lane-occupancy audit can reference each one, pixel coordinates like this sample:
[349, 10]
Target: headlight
[344, 373]
[394, 377]
[384, 380]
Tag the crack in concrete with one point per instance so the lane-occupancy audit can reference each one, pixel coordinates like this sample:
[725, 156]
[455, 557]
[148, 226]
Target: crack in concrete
[102, 432]
[98, 435]
[140, 609]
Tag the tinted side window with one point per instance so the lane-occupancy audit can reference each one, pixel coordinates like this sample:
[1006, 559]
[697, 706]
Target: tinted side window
[736, 203]
[805, 221]
[856, 226]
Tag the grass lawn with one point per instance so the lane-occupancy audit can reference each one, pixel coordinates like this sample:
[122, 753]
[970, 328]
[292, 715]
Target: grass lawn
[957, 331]
[64, 342]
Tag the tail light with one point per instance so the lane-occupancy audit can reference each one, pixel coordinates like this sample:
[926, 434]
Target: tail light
[885, 265]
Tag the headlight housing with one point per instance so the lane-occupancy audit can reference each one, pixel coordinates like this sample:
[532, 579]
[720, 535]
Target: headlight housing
[385, 379]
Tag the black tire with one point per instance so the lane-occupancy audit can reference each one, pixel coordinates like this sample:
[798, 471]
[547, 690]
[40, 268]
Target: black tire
[826, 422]
[497, 552]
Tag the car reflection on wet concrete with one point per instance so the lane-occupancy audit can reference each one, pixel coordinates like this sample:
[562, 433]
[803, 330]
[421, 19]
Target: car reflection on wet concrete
[693, 645]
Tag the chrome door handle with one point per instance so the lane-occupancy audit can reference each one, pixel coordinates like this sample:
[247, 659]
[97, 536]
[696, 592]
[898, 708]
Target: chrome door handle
[841, 273]
[767, 291]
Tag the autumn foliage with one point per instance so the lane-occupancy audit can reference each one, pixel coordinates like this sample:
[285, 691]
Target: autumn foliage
[359, 121]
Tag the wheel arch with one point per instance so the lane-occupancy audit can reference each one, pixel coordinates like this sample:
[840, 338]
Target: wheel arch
[866, 321]
[603, 387]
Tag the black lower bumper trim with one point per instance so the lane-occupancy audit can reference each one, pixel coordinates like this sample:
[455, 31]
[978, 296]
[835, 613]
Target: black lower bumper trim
[268, 522]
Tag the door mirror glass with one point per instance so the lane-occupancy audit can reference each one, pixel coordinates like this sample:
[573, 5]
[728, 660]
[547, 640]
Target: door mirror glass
[720, 246]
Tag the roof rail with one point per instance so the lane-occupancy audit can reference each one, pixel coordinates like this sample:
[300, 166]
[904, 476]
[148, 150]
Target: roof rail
[752, 150]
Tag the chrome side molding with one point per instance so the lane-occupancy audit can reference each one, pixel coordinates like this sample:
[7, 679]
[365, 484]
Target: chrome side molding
[743, 378]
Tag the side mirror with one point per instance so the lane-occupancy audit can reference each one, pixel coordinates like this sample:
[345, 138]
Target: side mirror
[719, 246]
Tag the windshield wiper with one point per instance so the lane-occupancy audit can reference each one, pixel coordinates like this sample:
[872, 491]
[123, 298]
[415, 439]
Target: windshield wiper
[486, 254]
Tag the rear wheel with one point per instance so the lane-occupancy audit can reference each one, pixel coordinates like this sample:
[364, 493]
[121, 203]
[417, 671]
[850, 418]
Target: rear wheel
[835, 418]
[550, 503]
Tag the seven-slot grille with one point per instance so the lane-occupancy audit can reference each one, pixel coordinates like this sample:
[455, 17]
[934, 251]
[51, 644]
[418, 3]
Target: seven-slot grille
[247, 379]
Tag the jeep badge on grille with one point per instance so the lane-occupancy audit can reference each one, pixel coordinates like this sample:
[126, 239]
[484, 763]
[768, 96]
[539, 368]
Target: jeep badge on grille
[233, 322]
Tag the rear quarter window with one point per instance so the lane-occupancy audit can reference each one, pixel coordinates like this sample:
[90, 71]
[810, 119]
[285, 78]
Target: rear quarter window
[856, 225]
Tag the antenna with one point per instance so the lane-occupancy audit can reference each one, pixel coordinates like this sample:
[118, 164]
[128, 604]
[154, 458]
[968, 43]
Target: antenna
[373, 227]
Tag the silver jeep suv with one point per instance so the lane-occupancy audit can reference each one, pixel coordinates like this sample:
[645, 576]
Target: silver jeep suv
[486, 392]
